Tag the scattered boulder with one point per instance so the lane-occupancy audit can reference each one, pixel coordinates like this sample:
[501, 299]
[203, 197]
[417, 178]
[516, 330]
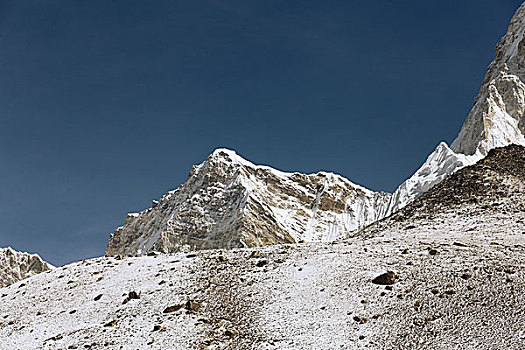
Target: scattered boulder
[433, 252]
[111, 323]
[360, 320]
[261, 263]
[387, 278]
[157, 328]
[131, 296]
[173, 308]
[192, 305]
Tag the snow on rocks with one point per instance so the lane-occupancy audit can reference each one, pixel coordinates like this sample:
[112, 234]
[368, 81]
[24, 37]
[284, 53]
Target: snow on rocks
[454, 279]
[306, 296]
[229, 202]
[15, 266]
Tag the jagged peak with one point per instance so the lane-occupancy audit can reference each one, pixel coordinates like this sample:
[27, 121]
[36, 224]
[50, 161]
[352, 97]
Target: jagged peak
[12, 251]
[228, 156]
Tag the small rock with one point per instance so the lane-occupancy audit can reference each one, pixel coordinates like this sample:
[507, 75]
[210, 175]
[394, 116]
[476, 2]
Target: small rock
[433, 252]
[111, 323]
[387, 278]
[261, 263]
[97, 298]
[230, 333]
[173, 308]
[360, 320]
[192, 305]
[131, 295]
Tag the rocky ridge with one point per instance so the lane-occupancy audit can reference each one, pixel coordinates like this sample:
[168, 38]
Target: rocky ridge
[16, 266]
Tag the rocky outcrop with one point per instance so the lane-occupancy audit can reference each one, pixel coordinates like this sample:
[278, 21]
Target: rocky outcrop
[229, 202]
[16, 266]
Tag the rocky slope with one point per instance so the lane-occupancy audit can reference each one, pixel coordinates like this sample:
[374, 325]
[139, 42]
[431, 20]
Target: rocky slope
[229, 202]
[15, 266]
[484, 201]
[497, 118]
[457, 257]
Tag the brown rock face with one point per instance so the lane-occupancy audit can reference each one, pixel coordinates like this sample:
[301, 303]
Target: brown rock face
[15, 266]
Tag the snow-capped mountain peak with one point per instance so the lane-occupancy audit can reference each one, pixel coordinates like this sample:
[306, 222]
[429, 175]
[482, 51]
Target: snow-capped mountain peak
[15, 266]
[228, 201]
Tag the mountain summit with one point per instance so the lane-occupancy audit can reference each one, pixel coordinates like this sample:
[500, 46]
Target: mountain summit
[229, 202]
[16, 266]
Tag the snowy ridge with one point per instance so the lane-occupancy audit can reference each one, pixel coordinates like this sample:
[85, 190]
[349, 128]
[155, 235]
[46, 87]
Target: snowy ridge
[439, 164]
[229, 202]
[15, 266]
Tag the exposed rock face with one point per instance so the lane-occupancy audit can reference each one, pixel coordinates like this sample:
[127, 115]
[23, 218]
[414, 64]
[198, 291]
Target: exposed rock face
[16, 266]
[497, 118]
[229, 202]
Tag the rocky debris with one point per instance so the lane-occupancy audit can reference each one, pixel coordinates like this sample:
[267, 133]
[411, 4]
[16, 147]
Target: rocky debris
[386, 278]
[16, 266]
[332, 294]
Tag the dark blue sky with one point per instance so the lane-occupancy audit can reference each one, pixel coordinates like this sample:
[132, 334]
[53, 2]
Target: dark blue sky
[105, 105]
